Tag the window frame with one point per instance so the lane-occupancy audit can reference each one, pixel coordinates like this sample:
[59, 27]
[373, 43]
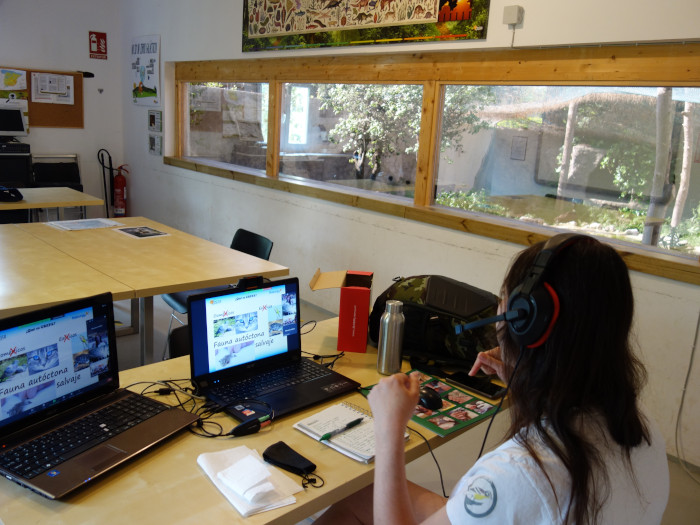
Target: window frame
[657, 65]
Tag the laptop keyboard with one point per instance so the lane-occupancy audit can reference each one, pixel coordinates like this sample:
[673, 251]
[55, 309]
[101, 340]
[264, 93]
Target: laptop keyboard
[271, 381]
[47, 451]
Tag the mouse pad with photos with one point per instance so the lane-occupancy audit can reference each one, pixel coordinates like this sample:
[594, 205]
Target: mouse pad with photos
[459, 408]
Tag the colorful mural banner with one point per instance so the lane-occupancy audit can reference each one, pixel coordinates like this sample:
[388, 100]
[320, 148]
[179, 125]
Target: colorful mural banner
[285, 24]
[313, 16]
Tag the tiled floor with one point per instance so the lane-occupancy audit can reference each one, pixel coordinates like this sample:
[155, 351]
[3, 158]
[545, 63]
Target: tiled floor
[454, 457]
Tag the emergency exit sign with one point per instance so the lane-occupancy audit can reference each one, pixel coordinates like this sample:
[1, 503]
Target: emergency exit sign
[98, 45]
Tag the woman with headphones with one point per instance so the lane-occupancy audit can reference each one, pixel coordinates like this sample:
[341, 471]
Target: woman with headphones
[580, 449]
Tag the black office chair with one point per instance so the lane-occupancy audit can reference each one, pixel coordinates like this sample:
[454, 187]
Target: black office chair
[243, 241]
[54, 174]
[57, 174]
[179, 341]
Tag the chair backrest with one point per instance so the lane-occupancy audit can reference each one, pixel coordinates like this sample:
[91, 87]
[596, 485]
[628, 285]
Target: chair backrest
[252, 244]
[179, 341]
[57, 174]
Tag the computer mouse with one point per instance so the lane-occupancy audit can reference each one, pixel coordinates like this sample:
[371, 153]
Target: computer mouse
[10, 194]
[429, 398]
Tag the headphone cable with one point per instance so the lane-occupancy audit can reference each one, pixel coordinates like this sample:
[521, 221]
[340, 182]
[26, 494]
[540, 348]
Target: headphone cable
[500, 404]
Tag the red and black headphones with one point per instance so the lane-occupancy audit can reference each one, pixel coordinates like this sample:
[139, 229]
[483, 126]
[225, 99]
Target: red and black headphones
[535, 301]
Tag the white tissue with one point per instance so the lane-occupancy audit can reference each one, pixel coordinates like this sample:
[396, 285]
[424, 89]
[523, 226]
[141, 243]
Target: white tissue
[247, 478]
[247, 482]
[260, 492]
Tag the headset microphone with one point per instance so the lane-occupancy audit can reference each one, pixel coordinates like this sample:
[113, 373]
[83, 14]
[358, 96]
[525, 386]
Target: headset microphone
[510, 315]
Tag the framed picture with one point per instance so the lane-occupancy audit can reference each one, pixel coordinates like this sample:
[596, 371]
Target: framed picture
[155, 120]
[155, 144]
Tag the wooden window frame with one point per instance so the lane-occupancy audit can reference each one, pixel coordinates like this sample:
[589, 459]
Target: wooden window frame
[658, 65]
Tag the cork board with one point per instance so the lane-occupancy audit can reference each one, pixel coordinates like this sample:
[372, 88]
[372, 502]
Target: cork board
[42, 115]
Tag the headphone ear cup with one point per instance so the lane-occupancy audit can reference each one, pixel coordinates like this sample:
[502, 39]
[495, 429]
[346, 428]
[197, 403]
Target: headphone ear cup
[539, 308]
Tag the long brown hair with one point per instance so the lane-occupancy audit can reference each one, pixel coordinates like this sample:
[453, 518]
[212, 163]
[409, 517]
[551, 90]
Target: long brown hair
[586, 366]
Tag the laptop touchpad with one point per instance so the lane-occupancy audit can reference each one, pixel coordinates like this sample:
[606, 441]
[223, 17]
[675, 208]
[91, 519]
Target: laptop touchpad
[102, 457]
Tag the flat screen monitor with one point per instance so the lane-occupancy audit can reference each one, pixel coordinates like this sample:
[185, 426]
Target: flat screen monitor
[12, 122]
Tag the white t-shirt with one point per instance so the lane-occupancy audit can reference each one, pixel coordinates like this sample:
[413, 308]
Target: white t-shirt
[506, 486]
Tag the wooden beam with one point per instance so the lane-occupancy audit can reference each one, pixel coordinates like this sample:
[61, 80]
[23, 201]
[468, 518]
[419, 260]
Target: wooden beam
[647, 65]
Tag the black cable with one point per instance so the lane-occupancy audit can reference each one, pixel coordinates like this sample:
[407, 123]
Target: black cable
[500, 404]
[437, 464]
[321, 357]
[250, 426]
[310, 329]
[312, 480]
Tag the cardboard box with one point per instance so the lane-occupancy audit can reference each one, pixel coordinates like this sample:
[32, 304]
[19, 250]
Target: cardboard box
[355, 290]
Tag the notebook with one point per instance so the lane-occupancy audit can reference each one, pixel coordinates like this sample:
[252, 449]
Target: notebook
[246, 351]
[58, 366]
[356, 442]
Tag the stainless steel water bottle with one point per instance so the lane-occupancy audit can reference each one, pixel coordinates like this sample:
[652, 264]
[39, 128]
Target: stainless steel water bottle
[390, 338]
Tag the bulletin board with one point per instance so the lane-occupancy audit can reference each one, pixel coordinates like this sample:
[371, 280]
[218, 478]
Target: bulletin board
[57, 115]
[50, 113]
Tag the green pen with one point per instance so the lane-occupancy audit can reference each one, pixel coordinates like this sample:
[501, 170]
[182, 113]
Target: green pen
[332, 433]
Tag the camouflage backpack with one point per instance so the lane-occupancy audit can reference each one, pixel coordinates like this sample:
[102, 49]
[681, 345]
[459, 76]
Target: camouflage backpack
[433, 306]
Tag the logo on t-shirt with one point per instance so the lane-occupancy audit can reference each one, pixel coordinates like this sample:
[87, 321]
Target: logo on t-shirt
[480, 499]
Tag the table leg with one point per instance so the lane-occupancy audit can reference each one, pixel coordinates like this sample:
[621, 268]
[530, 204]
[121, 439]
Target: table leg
[133, 327]
[146, 328]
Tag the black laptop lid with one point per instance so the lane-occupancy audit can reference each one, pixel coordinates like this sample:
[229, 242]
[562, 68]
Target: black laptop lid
[55, 358]
[237, 331]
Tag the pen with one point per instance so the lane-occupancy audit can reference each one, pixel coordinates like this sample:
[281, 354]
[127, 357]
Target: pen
[332, 433]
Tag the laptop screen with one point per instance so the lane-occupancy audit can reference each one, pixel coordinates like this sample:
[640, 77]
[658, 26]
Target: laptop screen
[54, 356]
[234, 327]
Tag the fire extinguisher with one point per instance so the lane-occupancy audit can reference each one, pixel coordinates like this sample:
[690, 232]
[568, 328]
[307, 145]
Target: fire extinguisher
[120, 191]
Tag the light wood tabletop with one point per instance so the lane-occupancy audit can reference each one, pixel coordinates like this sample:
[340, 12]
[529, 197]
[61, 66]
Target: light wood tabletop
[34, 274]
[155, 265]
[51, 197]
[146, 266]
[166, 485]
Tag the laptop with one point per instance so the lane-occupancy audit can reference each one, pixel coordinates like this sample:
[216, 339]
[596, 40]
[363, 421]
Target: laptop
[62, 413]
[246, 351]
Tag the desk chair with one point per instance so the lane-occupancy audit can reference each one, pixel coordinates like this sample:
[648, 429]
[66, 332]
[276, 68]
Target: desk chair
[179, 341]
[243, 241]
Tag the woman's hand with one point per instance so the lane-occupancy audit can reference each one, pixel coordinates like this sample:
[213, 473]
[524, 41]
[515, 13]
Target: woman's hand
[393, 400]
[490, 362]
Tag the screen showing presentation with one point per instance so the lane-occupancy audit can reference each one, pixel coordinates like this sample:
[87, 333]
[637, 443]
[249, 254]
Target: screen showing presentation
[246, 326]
[51, 360]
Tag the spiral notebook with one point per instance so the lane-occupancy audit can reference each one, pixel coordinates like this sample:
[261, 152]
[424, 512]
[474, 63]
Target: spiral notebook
[356, 443]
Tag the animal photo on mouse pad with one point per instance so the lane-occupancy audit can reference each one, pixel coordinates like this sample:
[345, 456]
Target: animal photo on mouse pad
[452, 408]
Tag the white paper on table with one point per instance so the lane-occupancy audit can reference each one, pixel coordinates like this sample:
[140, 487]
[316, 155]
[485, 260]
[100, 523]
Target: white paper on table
[263, 498]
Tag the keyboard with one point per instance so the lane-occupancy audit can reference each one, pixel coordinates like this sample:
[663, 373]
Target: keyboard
[49, 450]
[271, 381]
[14, 148]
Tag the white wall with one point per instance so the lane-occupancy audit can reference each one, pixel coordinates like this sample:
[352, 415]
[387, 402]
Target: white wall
[309, 233]
[41, 34]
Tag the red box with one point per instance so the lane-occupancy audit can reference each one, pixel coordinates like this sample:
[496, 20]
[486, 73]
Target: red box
[355, 290]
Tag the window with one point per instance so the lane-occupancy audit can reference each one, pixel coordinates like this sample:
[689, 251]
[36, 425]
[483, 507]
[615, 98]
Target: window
[228, 123]
[575, 157]
[298, 122]
[363, 136]
[507, 144]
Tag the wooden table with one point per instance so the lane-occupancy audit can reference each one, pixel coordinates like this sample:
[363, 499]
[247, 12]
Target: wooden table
[51, 197]
[167, 486]
[34, 273]
[129, 267]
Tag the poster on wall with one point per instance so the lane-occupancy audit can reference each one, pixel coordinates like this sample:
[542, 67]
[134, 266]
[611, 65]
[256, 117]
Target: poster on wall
[297, 24]
[13, 89]
[53, 88]
[145, 70]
